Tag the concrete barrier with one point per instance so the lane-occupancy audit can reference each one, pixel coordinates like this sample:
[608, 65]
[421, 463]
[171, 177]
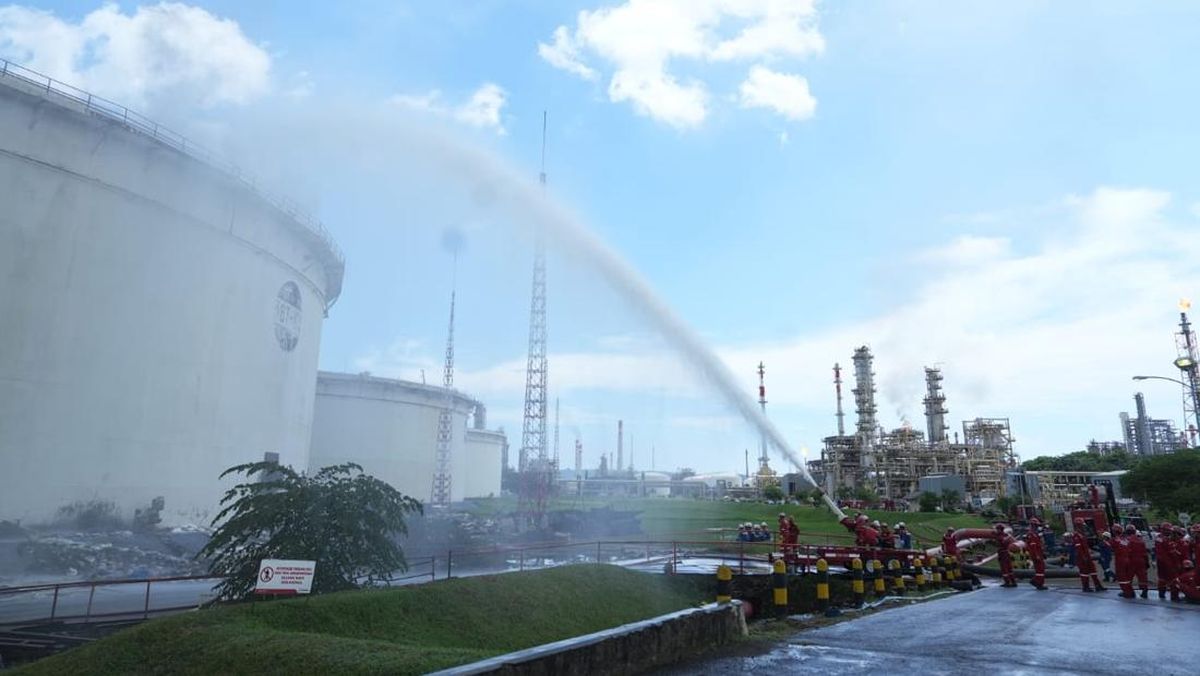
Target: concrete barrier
[630, 648]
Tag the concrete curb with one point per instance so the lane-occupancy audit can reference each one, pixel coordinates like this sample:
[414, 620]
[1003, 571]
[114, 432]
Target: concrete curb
[633, 647]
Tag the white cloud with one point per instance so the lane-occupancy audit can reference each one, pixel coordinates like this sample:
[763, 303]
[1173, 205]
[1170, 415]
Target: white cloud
[641, 41]
[482, 109]
[165, 50]
[782, 93]
[563, 54]
[968, 250]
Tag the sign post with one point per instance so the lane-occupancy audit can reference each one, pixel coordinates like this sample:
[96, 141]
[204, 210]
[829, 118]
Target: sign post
[283, 577]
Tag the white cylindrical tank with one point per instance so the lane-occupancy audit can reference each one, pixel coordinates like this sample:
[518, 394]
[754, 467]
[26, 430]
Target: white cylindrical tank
[389, 427]
[160, 319]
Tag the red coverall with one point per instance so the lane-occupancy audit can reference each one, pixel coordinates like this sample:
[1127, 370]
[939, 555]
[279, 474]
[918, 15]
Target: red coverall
[1180, 552]
[1121, 546]
[1189, 584]
[949, 545]
[1164, 555]
[867, 536]
[1137, 563]
[1083, 561]
[1037, 554]
[1005, 558]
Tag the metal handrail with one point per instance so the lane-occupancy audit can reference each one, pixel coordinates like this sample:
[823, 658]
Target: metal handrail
[138, 123]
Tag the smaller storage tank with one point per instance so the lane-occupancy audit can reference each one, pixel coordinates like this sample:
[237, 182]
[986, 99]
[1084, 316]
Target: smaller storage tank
[390, 428]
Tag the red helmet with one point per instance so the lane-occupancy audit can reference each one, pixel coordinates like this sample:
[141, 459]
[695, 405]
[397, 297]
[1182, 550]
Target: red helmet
[1034, 521]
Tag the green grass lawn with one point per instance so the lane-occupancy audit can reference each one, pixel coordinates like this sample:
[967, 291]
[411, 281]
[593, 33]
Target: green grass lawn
[403, 631]
[680, 519]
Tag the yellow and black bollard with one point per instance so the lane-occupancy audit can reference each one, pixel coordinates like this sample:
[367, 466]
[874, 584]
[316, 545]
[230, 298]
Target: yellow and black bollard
[877, 576]
[779, 581]
[724, 584]
[919, 573]
[856, 571]
[823, 589]
[897, 577]
[939, 573]
[948, 571]
[954, 567]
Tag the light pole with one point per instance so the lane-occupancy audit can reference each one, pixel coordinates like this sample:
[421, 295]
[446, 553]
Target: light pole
[1187, 387]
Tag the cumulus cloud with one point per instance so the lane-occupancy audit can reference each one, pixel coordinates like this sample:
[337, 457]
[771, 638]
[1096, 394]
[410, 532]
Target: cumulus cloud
[641, 41]
[165, 50]
[782, 93]
[563, 54]
[483, 109]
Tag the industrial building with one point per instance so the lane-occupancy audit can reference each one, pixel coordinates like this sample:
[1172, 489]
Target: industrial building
[1149, 436]
[161, 315]
[892, 463]
[390, 427]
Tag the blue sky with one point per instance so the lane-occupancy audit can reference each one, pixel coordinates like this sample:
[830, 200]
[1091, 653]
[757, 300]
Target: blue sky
[1003, 188]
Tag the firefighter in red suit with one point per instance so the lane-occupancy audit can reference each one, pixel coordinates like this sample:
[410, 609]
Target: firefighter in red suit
[1180, 555]
[1003, 540]
[1120, 546]
[949, 544]
[1083, 558]
[866, 536]
[1164, 556]
[1137, 562]
[1036, 548]
[1189, 582]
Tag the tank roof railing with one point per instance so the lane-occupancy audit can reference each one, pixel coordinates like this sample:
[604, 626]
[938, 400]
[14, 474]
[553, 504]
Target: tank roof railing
[138, 123]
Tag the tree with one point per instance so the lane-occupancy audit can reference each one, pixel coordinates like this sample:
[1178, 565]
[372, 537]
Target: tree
[339, 517]
[1083, 461]
[772, 492]
[1005, 504]
[1170, 483]
[929, 501]
[950, 500]
[865, 493]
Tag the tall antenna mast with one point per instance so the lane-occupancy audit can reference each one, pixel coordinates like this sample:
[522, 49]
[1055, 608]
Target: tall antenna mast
[534, 464]
[442, 479]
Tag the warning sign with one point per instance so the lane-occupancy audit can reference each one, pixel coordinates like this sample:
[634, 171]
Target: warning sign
[281, 576]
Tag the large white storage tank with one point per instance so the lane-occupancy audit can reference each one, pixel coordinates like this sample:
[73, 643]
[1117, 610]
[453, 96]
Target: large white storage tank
[389, 427]
[160, 319]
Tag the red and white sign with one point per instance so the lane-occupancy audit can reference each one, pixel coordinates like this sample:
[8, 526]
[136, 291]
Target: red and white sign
[284, 577]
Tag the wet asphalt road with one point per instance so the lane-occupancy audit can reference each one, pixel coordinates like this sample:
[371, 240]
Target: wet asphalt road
[993, 631]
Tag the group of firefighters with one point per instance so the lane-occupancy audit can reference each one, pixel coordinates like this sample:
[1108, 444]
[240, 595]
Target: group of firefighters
[1175, 557]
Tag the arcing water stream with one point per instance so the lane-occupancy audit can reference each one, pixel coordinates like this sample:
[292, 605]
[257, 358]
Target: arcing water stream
[372, 138]
[527, 204]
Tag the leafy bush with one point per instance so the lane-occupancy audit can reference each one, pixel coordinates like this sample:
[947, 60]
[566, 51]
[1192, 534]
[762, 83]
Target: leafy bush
[339, 517]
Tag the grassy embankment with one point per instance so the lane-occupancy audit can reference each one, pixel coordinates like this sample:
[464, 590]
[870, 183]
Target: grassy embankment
[675, 518]
[404, 631]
